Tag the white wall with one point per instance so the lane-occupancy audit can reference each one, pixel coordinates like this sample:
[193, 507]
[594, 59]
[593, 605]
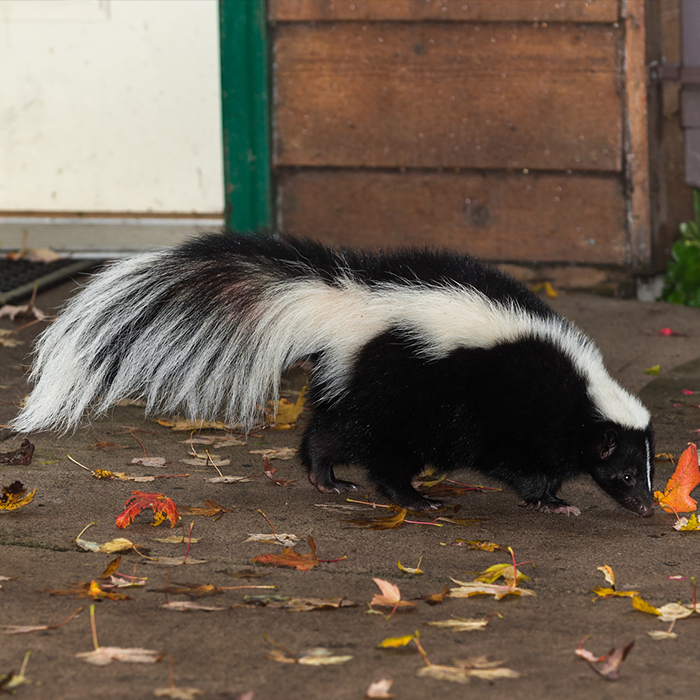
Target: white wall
[110, 106]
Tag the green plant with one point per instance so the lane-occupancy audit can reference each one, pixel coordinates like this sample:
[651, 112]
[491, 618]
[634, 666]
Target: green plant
[682, 282]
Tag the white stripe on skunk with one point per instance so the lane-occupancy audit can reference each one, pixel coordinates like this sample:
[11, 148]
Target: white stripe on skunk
[207, 329]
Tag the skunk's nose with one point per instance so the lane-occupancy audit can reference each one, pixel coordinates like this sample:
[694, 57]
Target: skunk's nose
[646, 511]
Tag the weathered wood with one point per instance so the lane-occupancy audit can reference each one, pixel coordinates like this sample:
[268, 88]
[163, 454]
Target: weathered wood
[637, 143]
[448, 95]
[445, 10]
[497, 216]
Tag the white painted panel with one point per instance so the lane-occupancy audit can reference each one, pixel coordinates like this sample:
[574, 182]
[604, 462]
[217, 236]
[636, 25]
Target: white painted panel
[110, 106]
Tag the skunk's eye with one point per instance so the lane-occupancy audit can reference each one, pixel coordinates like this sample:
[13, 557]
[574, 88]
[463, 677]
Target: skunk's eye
[627, 478]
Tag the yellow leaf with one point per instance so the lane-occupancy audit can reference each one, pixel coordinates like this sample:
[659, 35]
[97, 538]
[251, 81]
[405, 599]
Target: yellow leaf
[285, 413]
[687, 524]
[653, 370]
[604, 592]
[409, 570]
[494, 572]
[121, 544]
[13, 501]
[395, 642]
[641, 605]
[608, 573]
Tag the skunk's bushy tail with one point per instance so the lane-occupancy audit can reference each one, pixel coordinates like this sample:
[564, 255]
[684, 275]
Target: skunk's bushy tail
[207, 328]
[200, 330]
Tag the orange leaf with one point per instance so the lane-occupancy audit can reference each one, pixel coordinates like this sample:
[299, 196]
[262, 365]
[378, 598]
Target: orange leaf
[291, 558]
[676, 495]
[160, 504]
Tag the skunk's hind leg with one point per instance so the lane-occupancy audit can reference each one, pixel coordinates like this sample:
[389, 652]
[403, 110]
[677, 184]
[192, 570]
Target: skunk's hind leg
[320, 450]
[400, 492]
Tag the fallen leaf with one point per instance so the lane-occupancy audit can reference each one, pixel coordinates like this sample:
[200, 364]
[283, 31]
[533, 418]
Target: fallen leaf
[281, 453]
[379, 689]
[666, 613]
[13, 496]
[12, 312]
[21, 456]
[174, 561]
[460, 624]
[270, 474]
[211, 509]
[482, 545]
[180, 424]
[462, 521]
[466, 590]
[35, 255]
[211, 461]
[105, 655]
[547, 288]
[26, 629]
[388, 522]
[390, 596]
[607, 666]
[396, 642]
[493, 573]
[435, 598]
[291, 558]
[444, 673]
[229, 480]
[176, 539]
[654, 371]
[284, 539]
[190, 606]
[687, 524]
[283, 414]
[407, 569]
[660, 635]
[6, 341]
[217, 442]
[676, 495]
[294, 604]
[150, 461]
[177, 693]
[611, 591]
[160, 504]
[88, 590]
[313, 657]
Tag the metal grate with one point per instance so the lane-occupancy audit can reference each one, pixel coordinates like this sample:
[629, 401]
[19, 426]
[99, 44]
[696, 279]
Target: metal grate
[18, 277]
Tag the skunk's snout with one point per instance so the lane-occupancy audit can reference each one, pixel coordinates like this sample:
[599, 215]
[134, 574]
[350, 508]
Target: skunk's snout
[645, 511]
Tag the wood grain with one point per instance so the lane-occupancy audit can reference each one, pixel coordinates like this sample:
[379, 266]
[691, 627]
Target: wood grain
[497, 216]
[448, 95]
[637, 144]
[445, 10]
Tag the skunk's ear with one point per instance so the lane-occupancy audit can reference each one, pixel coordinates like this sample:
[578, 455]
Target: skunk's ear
[608, 444]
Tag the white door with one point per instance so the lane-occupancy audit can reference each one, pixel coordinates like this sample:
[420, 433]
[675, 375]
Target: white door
[110, 122]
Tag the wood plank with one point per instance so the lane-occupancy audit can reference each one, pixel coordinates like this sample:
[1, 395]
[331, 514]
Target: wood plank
[496, 216]
[445, 10]
[637, 144]
[448, 95]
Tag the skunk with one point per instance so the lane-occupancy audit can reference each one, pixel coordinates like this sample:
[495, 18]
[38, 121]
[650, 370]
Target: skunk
[420, 358]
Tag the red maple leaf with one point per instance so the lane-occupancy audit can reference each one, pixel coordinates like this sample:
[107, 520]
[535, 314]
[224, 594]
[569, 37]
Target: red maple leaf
[160, 504]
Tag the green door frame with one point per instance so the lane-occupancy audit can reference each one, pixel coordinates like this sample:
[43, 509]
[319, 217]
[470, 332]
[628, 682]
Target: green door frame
[245, 105]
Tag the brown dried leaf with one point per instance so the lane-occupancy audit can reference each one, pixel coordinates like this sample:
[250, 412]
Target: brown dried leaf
[22, 456]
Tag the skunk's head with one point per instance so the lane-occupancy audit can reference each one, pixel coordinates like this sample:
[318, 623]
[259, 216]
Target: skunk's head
[621, 461]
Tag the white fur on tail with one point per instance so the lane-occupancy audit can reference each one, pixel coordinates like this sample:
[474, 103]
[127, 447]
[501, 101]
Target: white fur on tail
[218, 362]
